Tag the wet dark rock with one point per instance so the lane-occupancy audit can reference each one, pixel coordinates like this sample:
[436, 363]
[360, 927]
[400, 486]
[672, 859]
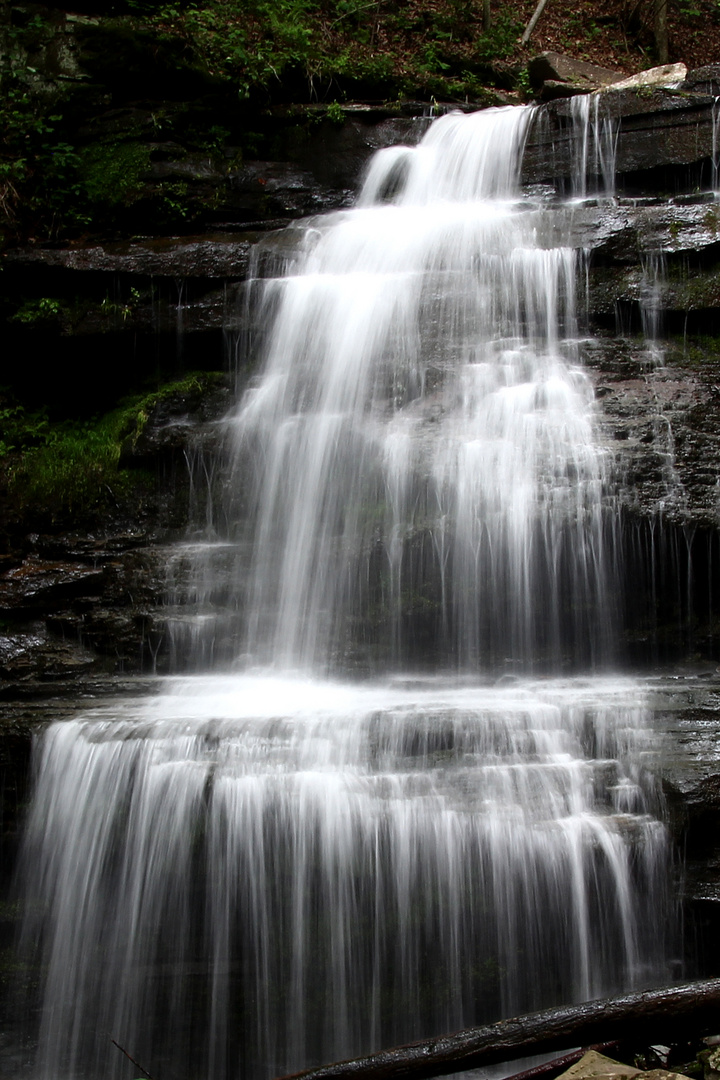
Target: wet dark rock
[218, 257]
[690, 768]
[337, 154]
[626, 229]
[664, 137]
[183, 422]
[29, 661]
[662, 426]
[270, 188]
[39, 585]
[66, 596]
[68, 619]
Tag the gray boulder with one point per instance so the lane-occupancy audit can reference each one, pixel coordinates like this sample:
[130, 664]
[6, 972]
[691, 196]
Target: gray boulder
[553, 75]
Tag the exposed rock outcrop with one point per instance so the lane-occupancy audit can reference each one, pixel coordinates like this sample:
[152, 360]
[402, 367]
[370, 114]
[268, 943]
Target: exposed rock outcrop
[553, 75]
[662, 134]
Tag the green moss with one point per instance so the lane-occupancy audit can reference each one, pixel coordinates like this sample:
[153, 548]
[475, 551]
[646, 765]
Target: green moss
[710, 221]
[335, 113]
[72, 472]
[114, 173]
[71, 469]
[131, 416]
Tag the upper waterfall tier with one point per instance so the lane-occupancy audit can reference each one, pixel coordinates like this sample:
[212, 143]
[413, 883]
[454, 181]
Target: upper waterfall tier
[421, 436]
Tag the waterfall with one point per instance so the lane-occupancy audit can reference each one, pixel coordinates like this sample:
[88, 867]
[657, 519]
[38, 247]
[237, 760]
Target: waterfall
[273, 865]
[422, 433]
[594, 145]
[651, 306]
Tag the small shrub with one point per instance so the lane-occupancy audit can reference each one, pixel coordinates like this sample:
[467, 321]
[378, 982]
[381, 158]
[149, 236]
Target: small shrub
[113, 173]
[32, 312]
[335, 113]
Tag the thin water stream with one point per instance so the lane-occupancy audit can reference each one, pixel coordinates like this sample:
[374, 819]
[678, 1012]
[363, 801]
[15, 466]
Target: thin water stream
[270, 865]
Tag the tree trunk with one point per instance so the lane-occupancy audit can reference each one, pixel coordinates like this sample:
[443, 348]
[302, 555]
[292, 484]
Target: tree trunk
[533, 21]
[661, 31]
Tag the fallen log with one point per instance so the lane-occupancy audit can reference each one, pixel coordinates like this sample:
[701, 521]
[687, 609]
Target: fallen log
[652, 1015]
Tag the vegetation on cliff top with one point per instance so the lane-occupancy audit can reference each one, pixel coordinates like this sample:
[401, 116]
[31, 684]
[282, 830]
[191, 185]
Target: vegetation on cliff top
[85, 98]
[330, 48]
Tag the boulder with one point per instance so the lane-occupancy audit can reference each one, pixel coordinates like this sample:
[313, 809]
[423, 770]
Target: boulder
[553, 75]
[665, 75]
[595, 1066]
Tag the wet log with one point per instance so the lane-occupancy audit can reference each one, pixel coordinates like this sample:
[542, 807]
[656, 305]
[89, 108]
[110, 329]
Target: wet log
[666, 1014]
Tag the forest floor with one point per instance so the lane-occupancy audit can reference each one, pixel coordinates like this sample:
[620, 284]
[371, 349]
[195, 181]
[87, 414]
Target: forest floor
[355, 49]
[616, 33]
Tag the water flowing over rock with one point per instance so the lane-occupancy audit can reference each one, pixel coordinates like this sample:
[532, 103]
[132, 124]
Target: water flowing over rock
[269, 865]
[422, 403]
[329, 868]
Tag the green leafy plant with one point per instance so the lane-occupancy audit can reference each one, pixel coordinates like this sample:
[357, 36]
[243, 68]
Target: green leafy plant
[20, 430]
[113, 172]
[500, 40]
[42, 310]
[335, 113]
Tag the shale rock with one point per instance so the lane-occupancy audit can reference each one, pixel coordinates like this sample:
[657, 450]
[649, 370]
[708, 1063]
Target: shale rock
[663, 136]
[30, 661]
[40, 585]
[689, 715]
[662, 425]
[217, 257]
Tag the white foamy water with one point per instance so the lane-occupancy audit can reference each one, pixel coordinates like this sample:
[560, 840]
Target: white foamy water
[420, 442]
[255, 873]
[252, 872]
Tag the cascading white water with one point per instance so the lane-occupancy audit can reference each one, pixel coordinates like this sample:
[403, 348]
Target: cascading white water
[250, 872]
[251, 875]
[422, 432]
[651, 305]
[594, 145]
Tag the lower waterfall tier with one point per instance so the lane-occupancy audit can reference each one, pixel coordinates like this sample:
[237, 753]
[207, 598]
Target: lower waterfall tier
[256, 873]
